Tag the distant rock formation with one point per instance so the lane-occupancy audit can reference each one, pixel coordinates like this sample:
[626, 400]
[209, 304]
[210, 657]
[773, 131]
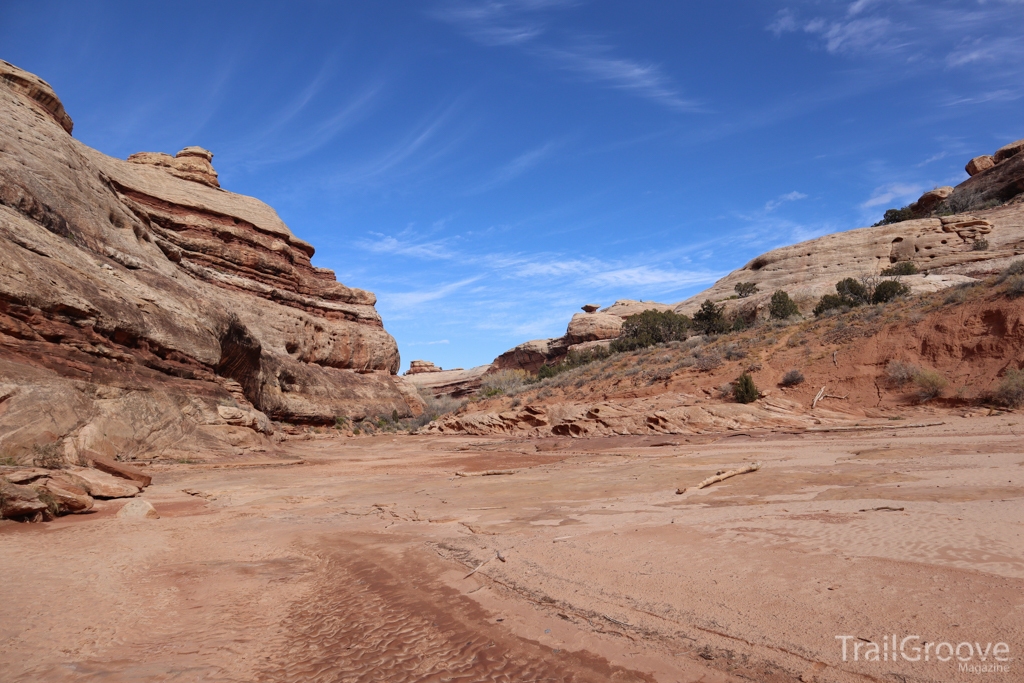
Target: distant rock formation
[417, 367]
[585, 331]
[457, 382]
[144, 311]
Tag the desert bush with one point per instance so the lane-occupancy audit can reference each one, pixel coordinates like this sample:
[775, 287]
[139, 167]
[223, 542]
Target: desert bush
[958, 294]
[734, 352]
[980, 244]
[708, 362]
[853, 291]
[929, 384]
[710, 319]
[744, 391]
[1011, 390]
[887, 290]
[651, 327]
[745, 289]
[792, 378]
[573, 360]
[781, 306]
[435, 407]
[1015, 288]
[901, 268]
[1015, 268]
[895, 216]
[341, 422]
[898, 373]
[503, 382]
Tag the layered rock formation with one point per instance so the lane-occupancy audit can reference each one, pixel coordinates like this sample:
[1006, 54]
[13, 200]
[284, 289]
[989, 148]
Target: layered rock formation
[145, 311]
[457, 382]
[944, 242]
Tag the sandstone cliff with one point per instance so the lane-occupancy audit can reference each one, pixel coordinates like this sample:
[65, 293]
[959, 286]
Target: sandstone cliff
[144, 310]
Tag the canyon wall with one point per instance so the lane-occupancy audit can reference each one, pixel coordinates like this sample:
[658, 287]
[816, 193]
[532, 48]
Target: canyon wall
[145, 310]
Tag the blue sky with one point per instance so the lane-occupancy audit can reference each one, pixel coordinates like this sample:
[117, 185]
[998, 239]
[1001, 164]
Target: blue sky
[488, 167]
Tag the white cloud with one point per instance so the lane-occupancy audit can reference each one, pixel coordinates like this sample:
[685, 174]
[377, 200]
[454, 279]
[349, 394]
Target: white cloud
[893, 194]
[782, 199]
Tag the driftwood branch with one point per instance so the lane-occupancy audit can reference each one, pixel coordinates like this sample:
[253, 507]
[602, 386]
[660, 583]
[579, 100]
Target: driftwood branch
[817, 398]
[486, 473]
[722, 476]
[478, 568]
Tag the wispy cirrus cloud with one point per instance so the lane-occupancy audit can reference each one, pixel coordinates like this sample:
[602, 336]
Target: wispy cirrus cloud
[413, 299]
[793, 196]
[516, 167]
[525, 24]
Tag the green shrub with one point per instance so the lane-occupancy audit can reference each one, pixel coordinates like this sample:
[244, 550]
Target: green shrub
[901, 268]
[830, 302]
[1011, 390]
[651, 327]
[781, 306]
[745, 289]
[895, 216]
[887, 290]
[853, 291]
[745, 391]
[792, 378]
[710, 319]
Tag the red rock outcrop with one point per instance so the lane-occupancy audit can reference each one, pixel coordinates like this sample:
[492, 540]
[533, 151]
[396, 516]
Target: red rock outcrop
[145, 311]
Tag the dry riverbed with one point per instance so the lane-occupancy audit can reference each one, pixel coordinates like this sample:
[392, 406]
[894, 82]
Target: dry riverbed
[355, 562]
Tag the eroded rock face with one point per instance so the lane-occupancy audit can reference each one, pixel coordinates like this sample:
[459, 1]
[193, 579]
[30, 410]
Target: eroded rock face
[136, 298]
[191, 163]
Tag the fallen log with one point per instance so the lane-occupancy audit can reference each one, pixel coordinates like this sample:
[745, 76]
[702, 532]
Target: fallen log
[486, 473]
[722, 476]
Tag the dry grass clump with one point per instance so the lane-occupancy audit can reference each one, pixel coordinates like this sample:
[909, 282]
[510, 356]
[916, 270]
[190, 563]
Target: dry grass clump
[503, 382]
[734, 352]
[898, 373]
[1011, 390]
[929, 384]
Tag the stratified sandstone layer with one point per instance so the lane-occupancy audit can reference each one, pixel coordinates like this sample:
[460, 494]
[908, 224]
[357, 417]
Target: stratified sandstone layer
[143, 309]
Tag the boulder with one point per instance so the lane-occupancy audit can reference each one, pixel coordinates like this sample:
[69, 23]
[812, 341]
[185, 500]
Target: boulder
[119, 469]
[586, 327]
[1007, 151]
[590, 308]
[100, 484]
[929, 200]
[68, 497]
[979, 164]
[20, 502]
[137, 509]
